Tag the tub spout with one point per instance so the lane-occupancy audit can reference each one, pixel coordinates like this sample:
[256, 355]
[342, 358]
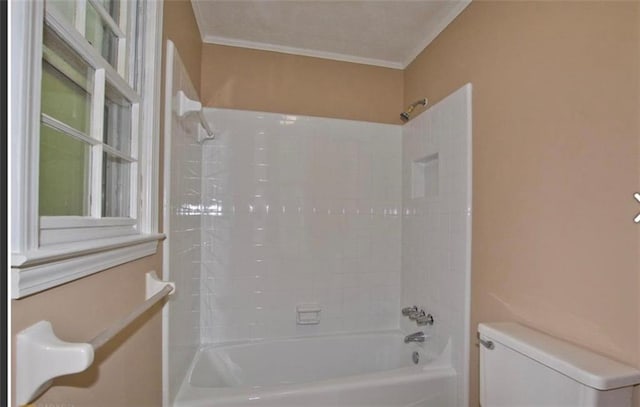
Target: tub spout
[414, 337]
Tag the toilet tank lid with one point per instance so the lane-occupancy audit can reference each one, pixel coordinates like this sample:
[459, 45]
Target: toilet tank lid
[582, 365]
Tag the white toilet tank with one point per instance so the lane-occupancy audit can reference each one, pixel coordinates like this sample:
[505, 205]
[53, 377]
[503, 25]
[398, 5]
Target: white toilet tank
[522, 367]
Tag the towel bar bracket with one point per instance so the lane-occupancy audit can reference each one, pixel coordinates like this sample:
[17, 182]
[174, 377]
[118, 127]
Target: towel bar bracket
[185, 106]
[41, 356]
[154, 285]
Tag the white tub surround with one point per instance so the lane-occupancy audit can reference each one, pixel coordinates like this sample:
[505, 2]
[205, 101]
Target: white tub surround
[373, 369]
[436, 225]
[299, 210]
[182, 221]
[321, 230]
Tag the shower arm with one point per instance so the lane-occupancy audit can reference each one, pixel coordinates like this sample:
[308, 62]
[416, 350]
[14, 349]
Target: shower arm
[422, 102]
[406, 114]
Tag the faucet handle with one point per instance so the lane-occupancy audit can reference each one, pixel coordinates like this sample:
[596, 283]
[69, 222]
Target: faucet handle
[415, 337]
[407, 311]
[425, 319]
[416, 315]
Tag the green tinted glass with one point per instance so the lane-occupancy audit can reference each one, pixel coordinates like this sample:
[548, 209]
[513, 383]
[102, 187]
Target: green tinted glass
[64, 174]
[101, 37]
[116, 188]
[117, 121]
[66, 84]
[66, 8]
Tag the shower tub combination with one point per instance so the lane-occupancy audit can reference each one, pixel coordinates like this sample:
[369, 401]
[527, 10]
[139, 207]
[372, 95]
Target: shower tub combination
[233, 368]
[367, 369]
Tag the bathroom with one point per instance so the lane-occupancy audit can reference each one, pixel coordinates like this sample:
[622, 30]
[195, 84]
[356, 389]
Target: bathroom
[555, 96]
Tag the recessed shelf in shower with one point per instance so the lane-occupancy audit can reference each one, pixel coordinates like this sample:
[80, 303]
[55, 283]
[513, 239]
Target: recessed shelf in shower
[424, 177]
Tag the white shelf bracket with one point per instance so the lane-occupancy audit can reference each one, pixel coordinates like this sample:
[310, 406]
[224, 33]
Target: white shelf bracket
[154, 285]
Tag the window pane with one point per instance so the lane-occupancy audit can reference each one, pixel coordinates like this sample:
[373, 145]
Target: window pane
[67, 8]
[117, 121]
[116, 186]
[101, 37]
[113, 8]
[66, 84]
[64, 174]
[136, 44]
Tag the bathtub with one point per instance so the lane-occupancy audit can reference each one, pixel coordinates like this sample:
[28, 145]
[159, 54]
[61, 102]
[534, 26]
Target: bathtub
[368, 369]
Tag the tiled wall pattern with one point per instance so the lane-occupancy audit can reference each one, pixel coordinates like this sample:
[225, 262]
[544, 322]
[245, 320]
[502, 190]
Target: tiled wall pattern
[182, 223]
[299, 210]
[436, 225]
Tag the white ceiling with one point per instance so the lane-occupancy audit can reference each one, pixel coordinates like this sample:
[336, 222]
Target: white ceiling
[389, 33]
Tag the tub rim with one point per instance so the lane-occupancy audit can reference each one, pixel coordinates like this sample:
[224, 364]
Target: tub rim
[440, 366]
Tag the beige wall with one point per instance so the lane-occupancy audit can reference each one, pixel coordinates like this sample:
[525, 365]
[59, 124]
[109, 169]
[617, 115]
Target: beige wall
[180, 27]
[128, 370]
[240, 78]
[555, 150]
[555, 163]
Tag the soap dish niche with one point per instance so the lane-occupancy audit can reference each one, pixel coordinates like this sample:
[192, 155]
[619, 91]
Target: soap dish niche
[308, 314]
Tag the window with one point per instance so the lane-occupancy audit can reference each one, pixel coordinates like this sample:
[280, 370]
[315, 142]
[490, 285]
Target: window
[83, 137]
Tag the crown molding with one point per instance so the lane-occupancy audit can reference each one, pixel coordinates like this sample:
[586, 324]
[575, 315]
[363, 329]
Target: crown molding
[232, 42]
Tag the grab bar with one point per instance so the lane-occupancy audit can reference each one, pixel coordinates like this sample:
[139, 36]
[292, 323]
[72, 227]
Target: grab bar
[41, 356]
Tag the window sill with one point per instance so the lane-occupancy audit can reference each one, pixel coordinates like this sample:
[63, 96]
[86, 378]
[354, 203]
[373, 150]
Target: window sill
[50, 266]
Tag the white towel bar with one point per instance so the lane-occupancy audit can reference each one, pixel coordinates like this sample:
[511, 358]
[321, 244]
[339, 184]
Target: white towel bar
[106, 335]
[41, 356]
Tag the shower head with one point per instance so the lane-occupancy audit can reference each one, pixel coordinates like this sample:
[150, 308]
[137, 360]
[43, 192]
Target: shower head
[404, 116]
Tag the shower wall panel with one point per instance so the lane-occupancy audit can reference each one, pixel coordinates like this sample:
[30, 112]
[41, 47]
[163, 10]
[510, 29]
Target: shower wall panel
[299, 210]
[182, 224]
[436, 225]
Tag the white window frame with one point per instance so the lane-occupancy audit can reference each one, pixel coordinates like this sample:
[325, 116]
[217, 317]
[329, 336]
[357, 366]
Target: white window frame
[75, 247]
